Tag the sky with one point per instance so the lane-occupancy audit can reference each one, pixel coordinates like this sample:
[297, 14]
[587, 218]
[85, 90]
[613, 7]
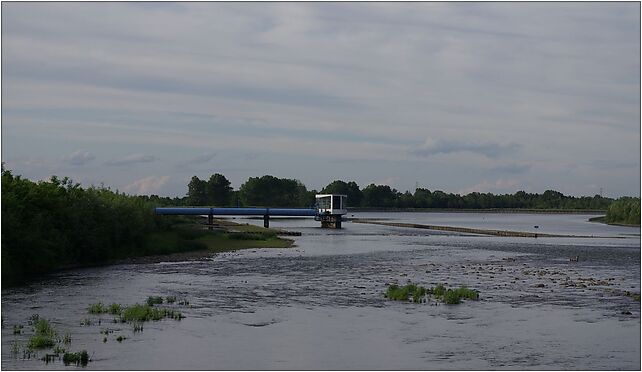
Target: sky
[459, 97]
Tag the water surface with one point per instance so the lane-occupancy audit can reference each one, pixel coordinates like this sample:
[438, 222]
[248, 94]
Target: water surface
[320, 305]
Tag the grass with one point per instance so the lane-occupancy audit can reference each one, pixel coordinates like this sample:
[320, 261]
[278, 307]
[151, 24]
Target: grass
[154, 300]
[143, 313]
[44, 335]
[79, 359]
[414, 293]
[96, 308]
[114, 309]
[406, 292]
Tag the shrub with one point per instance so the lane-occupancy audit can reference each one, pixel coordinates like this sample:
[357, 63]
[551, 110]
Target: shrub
[79, 359]
[114, 309]
[154, 300]
[97, 308]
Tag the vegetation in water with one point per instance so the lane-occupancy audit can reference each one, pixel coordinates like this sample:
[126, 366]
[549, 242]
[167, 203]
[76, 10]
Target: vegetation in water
[170, 299]
[44, 335]
[154, 300]
[417, 294]
[79, 358]
[143, 313]
[17, 329]
[97, 308]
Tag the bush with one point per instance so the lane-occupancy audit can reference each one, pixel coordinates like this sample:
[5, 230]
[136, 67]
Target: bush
[79, 358]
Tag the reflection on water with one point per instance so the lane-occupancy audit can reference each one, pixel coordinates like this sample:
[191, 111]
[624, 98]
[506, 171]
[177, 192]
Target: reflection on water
[320, 305]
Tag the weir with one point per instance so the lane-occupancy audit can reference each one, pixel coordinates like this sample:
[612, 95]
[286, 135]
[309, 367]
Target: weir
[329, 209]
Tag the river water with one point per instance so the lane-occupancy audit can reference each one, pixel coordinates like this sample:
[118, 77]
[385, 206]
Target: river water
[320, 305]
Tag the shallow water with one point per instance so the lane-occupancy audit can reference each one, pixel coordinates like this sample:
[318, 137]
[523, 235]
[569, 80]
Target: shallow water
[320, 304]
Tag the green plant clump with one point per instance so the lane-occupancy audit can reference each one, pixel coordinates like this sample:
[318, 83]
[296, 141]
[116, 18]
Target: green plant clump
[406, 292]
[154, 300]
[97, 308]
[143, 313]
[114, 309]
[44, 335]
[79, 359]
[170, 299]
[439, 292]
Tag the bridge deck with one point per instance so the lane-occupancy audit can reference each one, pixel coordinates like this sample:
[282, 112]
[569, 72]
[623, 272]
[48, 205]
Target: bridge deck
[237, 211]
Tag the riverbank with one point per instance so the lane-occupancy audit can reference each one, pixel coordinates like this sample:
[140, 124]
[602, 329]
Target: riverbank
[224, 236]
[602, 219]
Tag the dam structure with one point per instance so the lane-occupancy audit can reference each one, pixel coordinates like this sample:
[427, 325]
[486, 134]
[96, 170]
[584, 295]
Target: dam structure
[329, 209]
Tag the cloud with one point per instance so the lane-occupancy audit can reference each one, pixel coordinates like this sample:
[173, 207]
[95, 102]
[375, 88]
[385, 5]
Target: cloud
[133, 159]
[79, 158]
[511, 168]
[200, 159]
[489, 149]
[500, 185]
[147, 185]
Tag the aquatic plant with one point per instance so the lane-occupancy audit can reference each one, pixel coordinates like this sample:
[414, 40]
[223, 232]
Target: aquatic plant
[114, 309]
[417, 293]
[40, 342]
[183, 302]
[86, 322]
[406, 292]
[142, 313]
[79, 359]
[58, 350]
[170, 299]
[66, 339]
[120, 338]
[451, 297]
[17, 329]
[96, 308]
[43, 335]
[138, 327]
[154, 300]
[438, 291]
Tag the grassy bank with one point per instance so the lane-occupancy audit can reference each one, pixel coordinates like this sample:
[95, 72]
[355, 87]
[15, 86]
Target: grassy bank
[227, 236]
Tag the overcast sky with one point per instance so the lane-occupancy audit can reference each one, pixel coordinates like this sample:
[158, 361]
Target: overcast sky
[462, 97]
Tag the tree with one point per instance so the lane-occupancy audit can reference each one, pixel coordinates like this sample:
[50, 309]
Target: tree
[378, 196]
[350, 189]
[270, 191]
[197, 191]
[218, 190]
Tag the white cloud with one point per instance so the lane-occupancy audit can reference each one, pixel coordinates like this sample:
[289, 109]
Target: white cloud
[147, 185]
[133, 159]
[79, 158]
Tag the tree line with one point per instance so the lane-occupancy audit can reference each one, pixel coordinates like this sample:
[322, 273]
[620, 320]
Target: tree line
[271, 191]
[53, 224]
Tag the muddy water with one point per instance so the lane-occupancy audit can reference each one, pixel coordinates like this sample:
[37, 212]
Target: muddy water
[320, 305]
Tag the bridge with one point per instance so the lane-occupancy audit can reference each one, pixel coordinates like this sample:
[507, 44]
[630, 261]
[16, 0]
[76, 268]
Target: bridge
[328, 209]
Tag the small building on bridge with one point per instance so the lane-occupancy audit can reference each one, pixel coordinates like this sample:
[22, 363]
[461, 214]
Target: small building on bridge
[330, 208]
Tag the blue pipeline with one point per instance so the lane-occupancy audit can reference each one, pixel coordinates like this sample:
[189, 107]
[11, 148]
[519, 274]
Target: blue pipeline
[238, 211]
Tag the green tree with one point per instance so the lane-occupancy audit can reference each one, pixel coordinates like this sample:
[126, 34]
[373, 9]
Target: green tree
[218, 190]
[350, 189]
[197, 191]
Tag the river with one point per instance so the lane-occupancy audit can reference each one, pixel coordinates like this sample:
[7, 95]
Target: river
[320, 305]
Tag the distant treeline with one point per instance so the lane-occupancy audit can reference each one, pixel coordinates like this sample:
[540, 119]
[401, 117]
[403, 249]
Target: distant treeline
[54, 224]
[282, 192]
[624, 211]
